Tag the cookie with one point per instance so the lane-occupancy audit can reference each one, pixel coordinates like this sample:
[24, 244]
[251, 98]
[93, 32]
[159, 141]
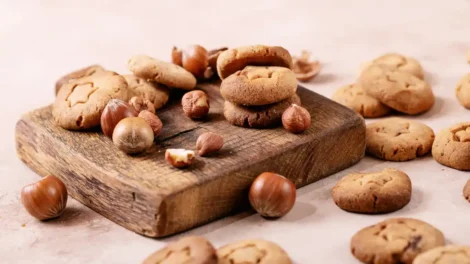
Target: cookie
[163, 72]
[258, 116]
[354, 97]
[398, 90]
[377, 192]
[80, 102]
[194, 250]
[395, 241]
[233, 60]
[452, 146]
[401, 63]
[256, 85]
[87, 71]
[451, 254]
[254, 251]
[154, 92]
[466, 191]
[398, 139]
[463, 91]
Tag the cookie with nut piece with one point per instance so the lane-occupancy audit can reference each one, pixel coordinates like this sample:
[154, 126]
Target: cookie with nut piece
[253, 251]
[83, 72]
[156, 93]
[452, 146]
[401, 63]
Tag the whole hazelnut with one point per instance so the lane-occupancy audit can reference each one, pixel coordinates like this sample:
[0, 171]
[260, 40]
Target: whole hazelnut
[46, 198]
[213, 56]
[115, 111]
[194, 59]
[133, 135]
[296, 119]
[153, 120]
[208, 143]
[195, 104]
[179, 158]
[272, 195]
[141, 104]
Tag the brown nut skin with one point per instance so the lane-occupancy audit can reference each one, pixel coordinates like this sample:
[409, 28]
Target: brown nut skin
[179, 158]
[272, 195]
[133, 135]
[296, 119]
[153, 120]
[141, 104]
[177, 56]
[304, 69]
[208, 143]
[213, 55]
[115, 111]
[45, 199]
[195, 104]
[194, 59]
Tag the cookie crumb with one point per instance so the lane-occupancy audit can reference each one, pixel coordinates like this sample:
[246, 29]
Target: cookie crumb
[23, 225]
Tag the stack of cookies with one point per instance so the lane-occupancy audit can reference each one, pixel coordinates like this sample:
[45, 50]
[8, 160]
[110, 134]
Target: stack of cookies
[257, 85]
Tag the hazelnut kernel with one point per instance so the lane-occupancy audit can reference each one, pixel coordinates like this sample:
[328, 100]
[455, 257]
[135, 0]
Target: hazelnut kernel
[179, 158]
[208, 143]
[195, 104]
[153, 120]
[296, 119]
[141, 104]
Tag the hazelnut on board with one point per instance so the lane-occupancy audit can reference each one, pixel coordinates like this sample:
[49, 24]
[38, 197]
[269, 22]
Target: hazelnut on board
[296, 119]
[195, 104]
[305, 69]
[133, 135]
[208, 143]
[153, 120]
[179, 158]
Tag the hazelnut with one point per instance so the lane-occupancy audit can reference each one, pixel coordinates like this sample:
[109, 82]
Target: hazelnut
[305, 69]
[179, 158]
[153, 120]
[115, 111]
[296, 119]
[177, 56]
[46, 198]
[195, 104]
[213, 56]
[208, 143]
[272, 195]
[133, 135]
[141, 104]
[194, 59]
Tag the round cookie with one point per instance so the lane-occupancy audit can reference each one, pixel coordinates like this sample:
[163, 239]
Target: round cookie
[398, 139]
[233, 60]
[258, 116]
[87, 71]
[194, 250]
[154, 92]
[163, 72]
[466, 191]
[398, 90]
[254, 251]
[463, 91]
[354, 97]
[401, 63]
[378, 192]
[451, 254]
[80, 102]
[452, 146]
[395, 241]
[255, 85]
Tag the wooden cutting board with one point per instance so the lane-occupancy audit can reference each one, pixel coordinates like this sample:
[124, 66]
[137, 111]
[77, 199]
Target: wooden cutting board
[146, 195]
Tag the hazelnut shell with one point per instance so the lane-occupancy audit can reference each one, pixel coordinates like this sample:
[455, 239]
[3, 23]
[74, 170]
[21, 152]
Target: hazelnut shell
[133, 135]
[115, 111]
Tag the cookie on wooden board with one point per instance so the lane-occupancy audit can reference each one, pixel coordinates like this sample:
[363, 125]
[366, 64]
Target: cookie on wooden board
[462, 91]
[259, 85]
[399, 90]
[87, 71]
[395, 241]
[398, 139]
[154, 92]
[163, 72]
[255, 251]
[450, 254]
[452, 146]
[354, 97]
[80, 102]
[401, 63]
[258, 116]
[233, 60]
[377, 192]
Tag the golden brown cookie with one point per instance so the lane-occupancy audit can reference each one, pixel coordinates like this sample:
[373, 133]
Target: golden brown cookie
[463, 91]
[87, 71]
[257, 85]
[377, 192]
[395, 241]
[401, 63]
[194, 250]
[258, 116]
[354, 97]
[163, 72]
[451, 254]
[154, 92]
[233, 60]
[80, 102]
[452, 146]
[398, 90]
[398, 139]
[254, 251]
[466, 191]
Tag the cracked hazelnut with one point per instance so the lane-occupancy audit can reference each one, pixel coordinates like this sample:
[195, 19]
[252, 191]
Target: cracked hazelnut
[133, 135]
[194, 59]
[296, 119]
[179, 158]
[195, 104]
[141, 104]
[305, 69]
[153, 120]
[115, 111]
[272, 195]
[208, 143]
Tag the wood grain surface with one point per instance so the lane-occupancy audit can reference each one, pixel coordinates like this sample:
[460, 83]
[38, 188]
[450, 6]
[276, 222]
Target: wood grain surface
[146, 195]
